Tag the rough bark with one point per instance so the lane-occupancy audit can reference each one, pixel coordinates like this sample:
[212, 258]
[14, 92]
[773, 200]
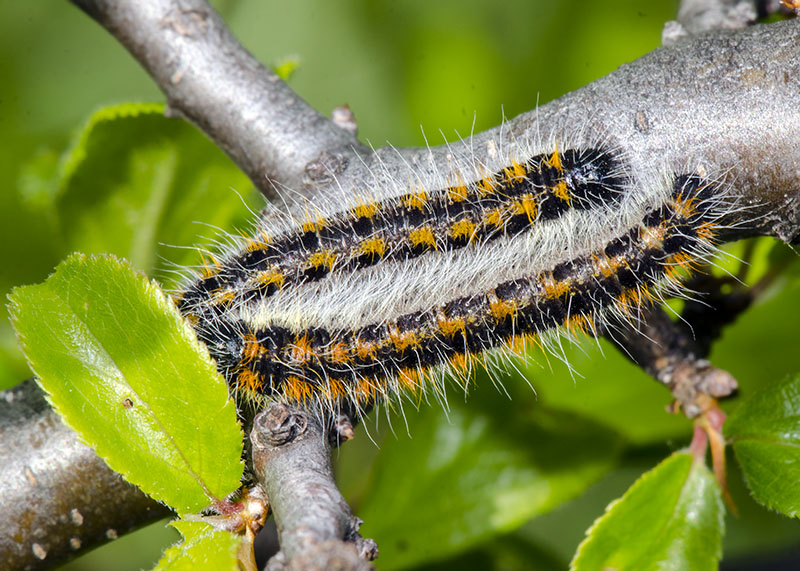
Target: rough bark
[58, 498]
[291, 457]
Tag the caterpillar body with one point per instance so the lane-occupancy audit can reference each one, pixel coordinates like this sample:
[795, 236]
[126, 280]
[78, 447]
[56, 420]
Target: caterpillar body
[504, 203]
[355, 307]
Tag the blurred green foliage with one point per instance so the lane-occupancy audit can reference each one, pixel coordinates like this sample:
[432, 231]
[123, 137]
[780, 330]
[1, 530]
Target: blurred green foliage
[405, 67]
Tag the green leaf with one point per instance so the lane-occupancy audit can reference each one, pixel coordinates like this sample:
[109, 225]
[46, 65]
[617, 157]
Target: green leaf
[136, 183]
[126, 372]
[755, 531]
[765, 431]
[202, 547]
[484, 467]
[671, 518]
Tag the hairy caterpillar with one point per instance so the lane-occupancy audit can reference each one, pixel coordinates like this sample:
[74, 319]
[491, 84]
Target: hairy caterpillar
[310, 314]
[505, 203]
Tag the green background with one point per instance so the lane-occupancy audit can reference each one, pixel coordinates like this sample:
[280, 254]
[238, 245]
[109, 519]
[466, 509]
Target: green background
[407, 67]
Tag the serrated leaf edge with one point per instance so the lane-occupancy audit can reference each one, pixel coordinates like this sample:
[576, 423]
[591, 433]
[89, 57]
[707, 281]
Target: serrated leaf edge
[75, 153]
[151, 289]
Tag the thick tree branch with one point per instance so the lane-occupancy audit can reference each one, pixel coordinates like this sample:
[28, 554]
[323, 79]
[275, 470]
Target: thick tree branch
[274, 136]
[58, 498]
[723, 104]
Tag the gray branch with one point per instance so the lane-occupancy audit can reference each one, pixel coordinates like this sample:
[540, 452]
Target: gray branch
[291, 457]
[58, 498]
[667, 351]
[274, 136]
[723, 103]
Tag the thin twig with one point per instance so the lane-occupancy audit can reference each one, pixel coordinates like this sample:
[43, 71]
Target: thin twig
[666, 350]
[291, 457]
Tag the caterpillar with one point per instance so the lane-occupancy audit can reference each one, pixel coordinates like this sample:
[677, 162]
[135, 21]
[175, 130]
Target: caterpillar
[504, 203]
[572, 246]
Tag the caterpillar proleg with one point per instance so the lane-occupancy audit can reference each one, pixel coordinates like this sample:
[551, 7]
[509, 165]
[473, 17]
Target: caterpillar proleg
[346, 308]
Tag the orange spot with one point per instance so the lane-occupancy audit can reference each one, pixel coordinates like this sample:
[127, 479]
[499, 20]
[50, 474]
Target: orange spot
[555, 161]
[224, 297]
[423, 237]
[457, 193]
[417, 200]
[339, 353]
[365, 350]
[257, 243]
[252, 349]
[301, 350]
[486, 186]
[513, 174]
[462, 229]
[404, 340]
[562, 192]
[494, 217]
[374, 247]
[580, 324]
[684, 207]
[528, 206]
[450, 327]
[604, 266]
[552, 288]
[322, 259]
[314, 225]
[366, 210]
[270, 277]
[297, 390]
[249, 381]
[498, 308]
